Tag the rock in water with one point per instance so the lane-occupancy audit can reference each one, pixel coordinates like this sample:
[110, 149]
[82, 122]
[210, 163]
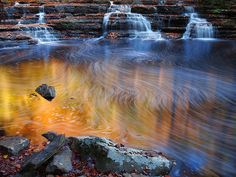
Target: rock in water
[111, 157]
[47, 92]
[61, 162]
[13, 145]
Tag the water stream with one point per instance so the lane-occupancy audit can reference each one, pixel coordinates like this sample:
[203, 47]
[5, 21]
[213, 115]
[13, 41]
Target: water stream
[39, 31]
[119, 18]
[197, 27]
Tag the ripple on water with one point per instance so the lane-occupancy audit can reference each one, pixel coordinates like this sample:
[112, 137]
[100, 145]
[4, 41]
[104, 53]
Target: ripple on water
[177, 97]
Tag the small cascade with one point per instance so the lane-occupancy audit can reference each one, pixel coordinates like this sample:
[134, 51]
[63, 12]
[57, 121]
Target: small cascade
[197, 27]
[17, 4]
[40, 30]
[120, 18]
[41, 15]
[41, 33]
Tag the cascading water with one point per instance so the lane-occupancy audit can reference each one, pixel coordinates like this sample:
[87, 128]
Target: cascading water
[40, 31]
[41, 15]
[120, 18]
[197, 27]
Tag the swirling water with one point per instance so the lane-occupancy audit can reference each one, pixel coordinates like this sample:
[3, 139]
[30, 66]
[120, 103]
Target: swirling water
[177, 97]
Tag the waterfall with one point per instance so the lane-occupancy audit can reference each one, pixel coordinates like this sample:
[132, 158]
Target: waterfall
[16, 3]
[41, 15]
[197, 27]
[40, 30]
[41, 33]
[120, 18]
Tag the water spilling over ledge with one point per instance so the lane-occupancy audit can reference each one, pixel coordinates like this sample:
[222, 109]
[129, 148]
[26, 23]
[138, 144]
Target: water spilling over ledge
[120, 19]
[39, 31]
[197, 27]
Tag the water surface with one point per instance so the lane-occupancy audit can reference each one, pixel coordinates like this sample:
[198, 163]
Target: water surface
[177, 97]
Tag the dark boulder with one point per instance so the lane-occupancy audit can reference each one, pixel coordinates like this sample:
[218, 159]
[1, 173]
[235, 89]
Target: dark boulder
[116, 158]
[38, 159]
[50, 135]
[61, 162]
[47, 92]
[13, 145]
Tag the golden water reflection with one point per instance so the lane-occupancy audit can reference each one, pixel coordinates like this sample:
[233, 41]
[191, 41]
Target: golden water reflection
[87, 102]
[79, 108]
[141, 107]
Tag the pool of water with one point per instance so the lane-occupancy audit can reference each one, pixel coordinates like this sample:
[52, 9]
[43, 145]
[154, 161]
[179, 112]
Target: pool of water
[178, 97]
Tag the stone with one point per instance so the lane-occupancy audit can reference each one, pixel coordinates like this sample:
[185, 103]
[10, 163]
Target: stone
[47, 92]
[49, 136]
[61, 162]
[38, 159]
[134, 175]
[109, 156]
[50, 176]
[13, 145]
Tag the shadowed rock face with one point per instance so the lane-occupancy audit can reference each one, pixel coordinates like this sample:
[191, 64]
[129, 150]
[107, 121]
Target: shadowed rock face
[114, 157]
[47, 92]
[61, 162]
[84, 18]
[13, 145]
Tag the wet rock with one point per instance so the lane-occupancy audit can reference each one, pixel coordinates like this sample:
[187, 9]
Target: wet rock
[13, 145]
[38, 159]
[61, 162]
[133, 175]
[50, 176]
[2, 132]
[50, 136]
[116, 158]
[47, 92]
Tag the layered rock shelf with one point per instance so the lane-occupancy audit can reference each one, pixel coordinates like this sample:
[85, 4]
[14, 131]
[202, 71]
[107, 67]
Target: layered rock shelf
[84, 18]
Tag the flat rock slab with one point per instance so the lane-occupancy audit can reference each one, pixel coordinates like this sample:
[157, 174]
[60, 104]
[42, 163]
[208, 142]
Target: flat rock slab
[13, 145]
[61, 162]
[47, 92]
[117, 158]
[38, 159]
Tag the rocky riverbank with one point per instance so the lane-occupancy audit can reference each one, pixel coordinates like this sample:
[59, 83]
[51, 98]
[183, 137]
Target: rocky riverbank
[78, 156]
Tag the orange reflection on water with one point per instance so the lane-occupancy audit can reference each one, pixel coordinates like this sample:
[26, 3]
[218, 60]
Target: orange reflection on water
[81, 107]
[132, 106]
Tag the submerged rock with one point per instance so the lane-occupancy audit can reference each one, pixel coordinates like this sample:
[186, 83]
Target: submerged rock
[61, 162]
[47, 92]
[112, 157]
[13, 145]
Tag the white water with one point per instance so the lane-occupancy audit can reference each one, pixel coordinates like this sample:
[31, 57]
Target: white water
[40, 31]
[197, 27]
[18, 4]
[41, 15]
[136, 24]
